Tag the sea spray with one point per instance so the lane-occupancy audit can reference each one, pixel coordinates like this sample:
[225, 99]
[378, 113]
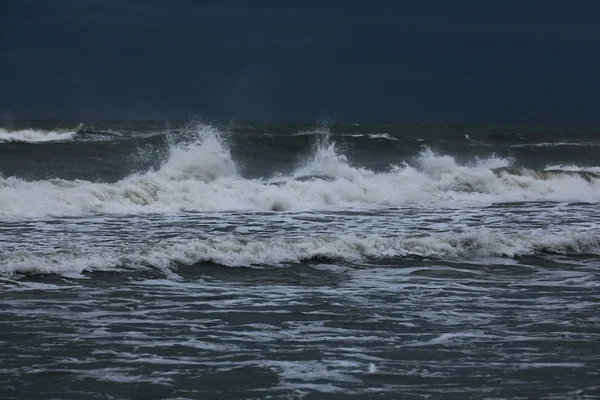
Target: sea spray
[199, 174]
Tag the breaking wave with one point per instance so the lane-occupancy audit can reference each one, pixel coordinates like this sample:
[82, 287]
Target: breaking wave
[237, 252]
[36, 135]
[81, 133]
[201, 175]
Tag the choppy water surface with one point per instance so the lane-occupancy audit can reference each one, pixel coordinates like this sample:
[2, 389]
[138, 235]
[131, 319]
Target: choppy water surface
[342, 261]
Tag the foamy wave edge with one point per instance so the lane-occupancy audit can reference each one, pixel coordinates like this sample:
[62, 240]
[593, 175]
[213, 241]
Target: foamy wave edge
[242, 252]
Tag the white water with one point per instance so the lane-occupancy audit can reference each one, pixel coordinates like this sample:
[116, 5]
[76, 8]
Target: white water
[476, 245]
[354, 332]
[35, 135]
[202, 176]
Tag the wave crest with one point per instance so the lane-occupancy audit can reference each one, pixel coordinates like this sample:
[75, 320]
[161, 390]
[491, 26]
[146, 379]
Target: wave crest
[238, 252]
[36, 135]
[200, 174]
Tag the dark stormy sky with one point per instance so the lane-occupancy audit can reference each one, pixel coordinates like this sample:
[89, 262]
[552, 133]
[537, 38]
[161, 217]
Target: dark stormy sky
[432, 61]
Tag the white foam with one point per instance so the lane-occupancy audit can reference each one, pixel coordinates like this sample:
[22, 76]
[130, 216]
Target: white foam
[382, 136]
[35, 135]
[122, 375]
[235, 252]
[534, 365]
[557, 144]
[201, 175]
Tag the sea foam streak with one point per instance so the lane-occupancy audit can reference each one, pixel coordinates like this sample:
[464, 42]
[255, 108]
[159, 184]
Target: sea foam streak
[235, 251]
[35, 135]
[201, 175]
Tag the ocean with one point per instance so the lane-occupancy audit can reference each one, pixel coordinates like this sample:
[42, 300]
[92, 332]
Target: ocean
[154, 260]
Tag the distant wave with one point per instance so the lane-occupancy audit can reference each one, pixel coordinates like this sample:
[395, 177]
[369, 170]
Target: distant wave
[385, 136]
[80, 133]
[36, 135]
[382, 136]
[236, 252]
[558, 144]
[201, 175]
[321, 131]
